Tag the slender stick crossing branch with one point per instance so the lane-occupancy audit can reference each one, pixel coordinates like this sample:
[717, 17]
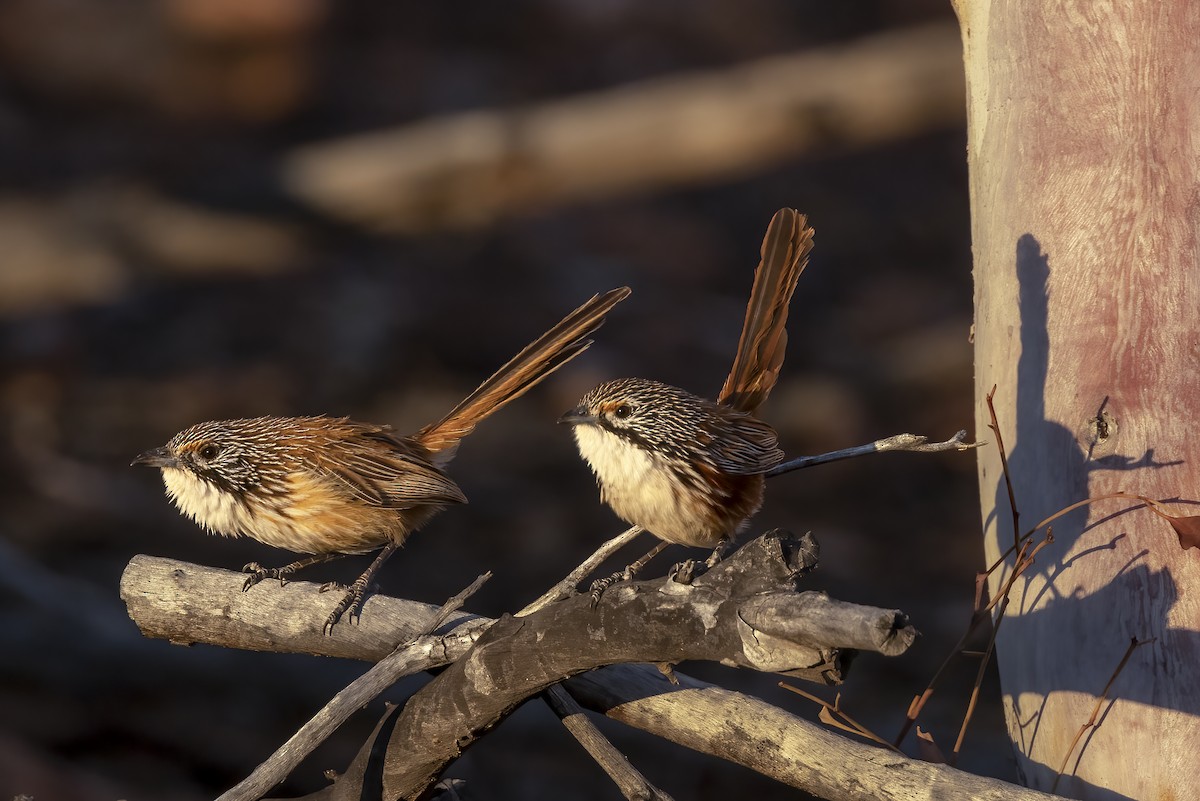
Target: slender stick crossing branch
[899, 442]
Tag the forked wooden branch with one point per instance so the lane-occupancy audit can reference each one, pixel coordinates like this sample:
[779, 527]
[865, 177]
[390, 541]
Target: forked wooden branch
[716, 617]
[188, 603]
[162, 599]
[360, 692]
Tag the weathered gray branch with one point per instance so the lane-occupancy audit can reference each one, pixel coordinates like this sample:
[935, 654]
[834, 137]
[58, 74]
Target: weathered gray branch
[654, 621]
[187, 603]
[360, 692]
[630, 781]
[776, 743]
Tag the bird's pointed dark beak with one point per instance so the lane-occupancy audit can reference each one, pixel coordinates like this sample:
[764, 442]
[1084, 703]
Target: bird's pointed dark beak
[157, 457]
[577, 416]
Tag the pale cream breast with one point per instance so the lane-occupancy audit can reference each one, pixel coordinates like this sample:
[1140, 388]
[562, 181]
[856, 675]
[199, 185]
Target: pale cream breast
[316, 520]
[215, 511]
[639, 487]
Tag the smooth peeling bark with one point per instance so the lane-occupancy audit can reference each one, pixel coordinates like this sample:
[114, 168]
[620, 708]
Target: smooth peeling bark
[1084, 149]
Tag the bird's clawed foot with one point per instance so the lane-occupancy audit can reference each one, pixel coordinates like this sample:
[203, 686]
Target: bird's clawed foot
[685, 572]
[600, 585]
[689, 570]
[352, 601]
[350, 605]
[258, 573]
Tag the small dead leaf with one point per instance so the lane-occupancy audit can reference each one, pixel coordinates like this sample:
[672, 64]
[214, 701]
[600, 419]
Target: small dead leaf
[826, 717]
[927, 749]
[1187, 529]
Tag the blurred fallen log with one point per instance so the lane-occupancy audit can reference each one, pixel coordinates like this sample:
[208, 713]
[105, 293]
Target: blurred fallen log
[88, 245]
[471, 168]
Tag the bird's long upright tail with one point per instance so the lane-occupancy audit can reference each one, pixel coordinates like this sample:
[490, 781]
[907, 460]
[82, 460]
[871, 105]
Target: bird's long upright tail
[550, 351]
[761, 348]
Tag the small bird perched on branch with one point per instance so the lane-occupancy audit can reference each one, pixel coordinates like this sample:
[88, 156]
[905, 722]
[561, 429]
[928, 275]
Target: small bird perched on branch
[330, 486]
[682, 467]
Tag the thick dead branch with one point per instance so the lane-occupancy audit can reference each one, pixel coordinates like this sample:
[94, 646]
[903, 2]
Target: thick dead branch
[469, 169]
[657, 621]
[746, 731]
[166, 596]
[186, 604]
[358, 694]
[629, 780]
[776, 743]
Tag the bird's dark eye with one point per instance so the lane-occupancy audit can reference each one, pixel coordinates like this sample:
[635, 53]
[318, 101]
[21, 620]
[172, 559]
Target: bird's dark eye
[209, 451]
[623, 411]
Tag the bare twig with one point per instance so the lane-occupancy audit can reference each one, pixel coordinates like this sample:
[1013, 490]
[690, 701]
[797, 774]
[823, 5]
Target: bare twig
[830, 713]
[365, 688]
[994, 425]
[1024, 560]
[1134, 644]
[566, 587]
[1046, 522]
[983, 663]
[899, 442]
[632, 783]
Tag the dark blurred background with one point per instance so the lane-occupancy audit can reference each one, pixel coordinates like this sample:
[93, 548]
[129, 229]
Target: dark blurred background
[162, 264]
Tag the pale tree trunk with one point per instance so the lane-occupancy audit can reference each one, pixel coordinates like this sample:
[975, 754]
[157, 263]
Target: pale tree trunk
[1084, 147]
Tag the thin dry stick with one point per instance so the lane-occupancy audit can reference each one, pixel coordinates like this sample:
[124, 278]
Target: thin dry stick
[851, 725]
[627, 778]
[1024, 561]
[566, 587]
[632, 784]
[1063, 511]
[1134, 644]
[1012, 498]
[983, 663]
[358, 693]
[899, 442]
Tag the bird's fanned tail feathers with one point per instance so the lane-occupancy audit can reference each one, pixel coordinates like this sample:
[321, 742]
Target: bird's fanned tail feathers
[761, 348]
[550, 351]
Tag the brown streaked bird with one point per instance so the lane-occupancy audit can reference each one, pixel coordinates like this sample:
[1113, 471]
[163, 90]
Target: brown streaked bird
[330, 486]
[685, 468]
